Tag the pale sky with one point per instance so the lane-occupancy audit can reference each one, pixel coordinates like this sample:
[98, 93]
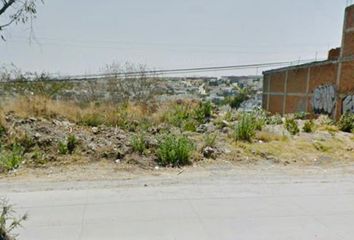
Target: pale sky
[81, 36]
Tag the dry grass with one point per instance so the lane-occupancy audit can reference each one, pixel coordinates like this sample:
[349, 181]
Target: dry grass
[301, 150]
[317, 148]
[328, 128]
[3, 125]
[132, 115]
[269, 137]
[322, 146]
[2, 118]
[38, 106]
[90, 114]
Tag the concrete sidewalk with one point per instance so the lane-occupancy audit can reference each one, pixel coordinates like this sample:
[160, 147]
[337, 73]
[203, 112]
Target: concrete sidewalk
[227, 206]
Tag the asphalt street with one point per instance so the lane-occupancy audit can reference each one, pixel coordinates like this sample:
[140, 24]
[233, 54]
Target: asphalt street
[254, 205]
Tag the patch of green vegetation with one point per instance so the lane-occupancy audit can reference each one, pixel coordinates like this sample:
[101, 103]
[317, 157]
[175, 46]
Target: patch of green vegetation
[190, 125]
[309, 126]
[203, 111]
[236, 101]
[178, 115]
[38, 157]
[228, 116]
[69, 146]
[274, 120]
[174, 151]
[138, 143]
[346, 122]
[245, 129]
[301, 115]
[259, 118]
[291, 125]
[62, 148]
[11, 159]
[71, 143]
[188, 116]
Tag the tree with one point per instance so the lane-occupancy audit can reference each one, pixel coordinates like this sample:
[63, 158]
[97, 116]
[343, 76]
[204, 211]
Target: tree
[131, 82]
[16, 11]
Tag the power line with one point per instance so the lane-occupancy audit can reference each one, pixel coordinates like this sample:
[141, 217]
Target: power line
[186, 70]
[151, 73]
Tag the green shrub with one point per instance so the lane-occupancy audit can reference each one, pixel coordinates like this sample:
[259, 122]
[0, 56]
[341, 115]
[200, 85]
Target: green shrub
[11, 159]
[187, 116]
[174, 151]
[346, 122]
[62, 148]
[291, 126]
[203, 111]
[190, 125]
[236, 101]
[178, 115]
[38, 157]
[274, 120]
[309, 126]
[71, 144]
[259, 118]
[138, 143]
[301, 115]
[245, 128]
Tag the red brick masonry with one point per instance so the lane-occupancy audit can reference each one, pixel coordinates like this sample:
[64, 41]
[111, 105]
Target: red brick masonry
[320, 87]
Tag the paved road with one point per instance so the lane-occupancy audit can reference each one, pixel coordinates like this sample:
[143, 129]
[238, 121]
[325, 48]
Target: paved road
[231, 205]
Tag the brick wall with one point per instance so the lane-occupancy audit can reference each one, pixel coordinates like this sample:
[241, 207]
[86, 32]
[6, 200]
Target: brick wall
[320, 87]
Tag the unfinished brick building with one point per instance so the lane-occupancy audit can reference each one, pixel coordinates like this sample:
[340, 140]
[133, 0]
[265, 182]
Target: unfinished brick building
[325, 87]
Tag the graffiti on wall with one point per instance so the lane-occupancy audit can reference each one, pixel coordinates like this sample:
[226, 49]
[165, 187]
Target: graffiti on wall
[324, 99]
[348, 104]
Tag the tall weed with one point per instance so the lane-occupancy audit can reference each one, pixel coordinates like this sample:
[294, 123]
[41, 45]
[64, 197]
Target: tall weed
[174, 151]
[11, 159]
[245, 129]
